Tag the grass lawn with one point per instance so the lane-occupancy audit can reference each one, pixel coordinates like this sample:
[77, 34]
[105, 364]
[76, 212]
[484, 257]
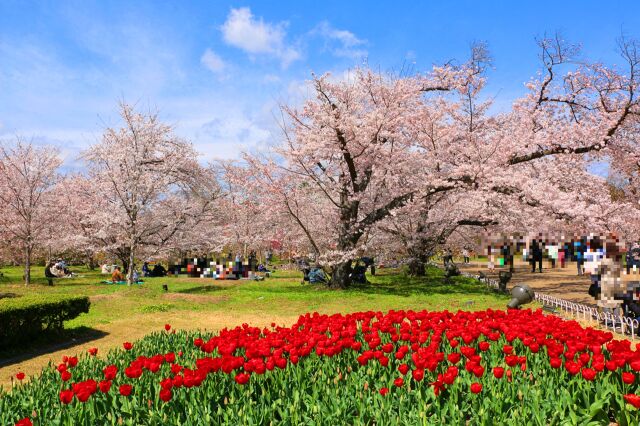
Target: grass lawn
[119, 313]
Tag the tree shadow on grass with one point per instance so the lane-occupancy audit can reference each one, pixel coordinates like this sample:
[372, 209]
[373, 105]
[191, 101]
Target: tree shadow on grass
[203, 289]
[47, 343]
[399, 284]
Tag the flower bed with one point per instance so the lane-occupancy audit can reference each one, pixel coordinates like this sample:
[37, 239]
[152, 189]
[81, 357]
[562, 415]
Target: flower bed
[486, 367]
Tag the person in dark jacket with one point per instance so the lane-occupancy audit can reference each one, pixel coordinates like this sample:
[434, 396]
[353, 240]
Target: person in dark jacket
[536, 256]
[579, 248]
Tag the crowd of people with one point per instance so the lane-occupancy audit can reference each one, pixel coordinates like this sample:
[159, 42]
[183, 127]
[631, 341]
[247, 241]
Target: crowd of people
[613, 266]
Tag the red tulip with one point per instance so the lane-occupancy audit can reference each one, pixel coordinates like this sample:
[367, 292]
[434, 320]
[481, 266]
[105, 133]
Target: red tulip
[24, 422]
[484, 346]
[83, 395]
[588, 374]
[403, 368]
[384, 391]
[398, 382]
[453, 357]
[418, 374]
[72, 361]
[167, 327]
[628, 378]
[66, 396]
[476, 387]
[498, 372]
[20, 376]
[165, 395]
[242, 378]
[104, 386]
[555, 362]
[633, 400]
[125, 390]
[127, 346]
[65, 376]
[110, 372]
[93, 351]
[478, 371]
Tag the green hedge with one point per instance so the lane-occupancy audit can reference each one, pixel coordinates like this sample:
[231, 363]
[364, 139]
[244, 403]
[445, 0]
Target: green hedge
[29, 316]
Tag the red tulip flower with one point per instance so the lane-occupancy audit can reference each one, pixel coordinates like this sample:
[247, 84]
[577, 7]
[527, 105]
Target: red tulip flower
[478, 371]
[72, 361]
[628, 378]
[453, 357]
[24, 422]
[418, 374]
[110, 372]
[498, 372]
[167, 327]
[242, 378]
[398, 382]
[588, 374]
[104, 386]
[165, 395]
[384, 391]
[65, 376]
[93, 351]
[476, 387]
[127, 346]
[66, 396]
[633, 400]
[403, 369]
[125, 390]
[20, 376]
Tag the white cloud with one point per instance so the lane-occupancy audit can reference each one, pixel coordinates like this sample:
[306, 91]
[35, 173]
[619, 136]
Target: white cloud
[212, 61]
[256, 37]
[341, 42]
[268, 78]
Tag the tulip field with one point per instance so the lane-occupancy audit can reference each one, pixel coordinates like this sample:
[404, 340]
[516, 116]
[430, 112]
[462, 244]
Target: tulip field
[399, 367]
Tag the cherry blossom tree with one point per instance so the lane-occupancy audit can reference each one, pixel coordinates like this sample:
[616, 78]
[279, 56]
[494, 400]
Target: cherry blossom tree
[28, 175]
[354, 154]
[147, 185]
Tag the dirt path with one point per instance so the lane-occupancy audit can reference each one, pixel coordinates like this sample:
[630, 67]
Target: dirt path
[559, 282]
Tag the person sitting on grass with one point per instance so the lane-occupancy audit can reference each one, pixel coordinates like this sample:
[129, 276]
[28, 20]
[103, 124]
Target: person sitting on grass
[117, 276]
[48, 273]
[316, 275]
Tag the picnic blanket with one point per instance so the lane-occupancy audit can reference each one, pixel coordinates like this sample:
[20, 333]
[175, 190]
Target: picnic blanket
[120, 282]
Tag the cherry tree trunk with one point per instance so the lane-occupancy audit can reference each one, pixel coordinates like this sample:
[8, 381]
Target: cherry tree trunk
[341, 275]
[131, 265]
[417, 266]
[27, 266]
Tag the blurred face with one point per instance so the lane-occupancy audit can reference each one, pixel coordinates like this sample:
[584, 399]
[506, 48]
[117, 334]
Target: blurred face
[592, 260]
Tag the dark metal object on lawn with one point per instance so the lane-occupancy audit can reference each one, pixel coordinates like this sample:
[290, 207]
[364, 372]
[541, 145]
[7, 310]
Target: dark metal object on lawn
[451, 270]
[504, 277]
[521, 294]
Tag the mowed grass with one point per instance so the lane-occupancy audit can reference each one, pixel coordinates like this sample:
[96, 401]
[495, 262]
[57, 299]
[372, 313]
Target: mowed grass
[120, 312]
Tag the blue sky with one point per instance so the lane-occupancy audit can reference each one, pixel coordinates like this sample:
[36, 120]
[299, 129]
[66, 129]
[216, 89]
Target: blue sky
[218, 70]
